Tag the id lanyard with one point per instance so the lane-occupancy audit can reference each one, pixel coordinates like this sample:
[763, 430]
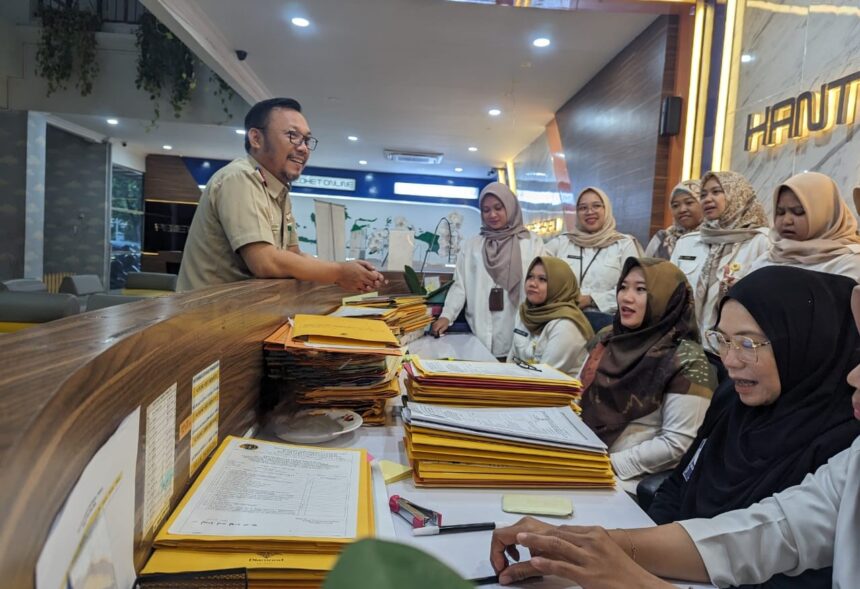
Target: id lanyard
[587, 268]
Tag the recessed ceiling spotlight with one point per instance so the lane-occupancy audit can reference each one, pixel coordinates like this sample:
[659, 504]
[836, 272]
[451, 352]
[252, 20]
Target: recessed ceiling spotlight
[240, 131]
[494, 112]
[352, 138]
[166, 147]
[300, 22]
[113, 121]
[458, 169]
[541, 42]
[362, 162]
[206, 164]
[473, 149]
[746, 58]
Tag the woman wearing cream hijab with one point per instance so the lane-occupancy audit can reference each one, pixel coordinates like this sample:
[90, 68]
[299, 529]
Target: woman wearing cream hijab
[813, 228]
[595, 251]
[686, 214]
[732, 237]
[550, 327]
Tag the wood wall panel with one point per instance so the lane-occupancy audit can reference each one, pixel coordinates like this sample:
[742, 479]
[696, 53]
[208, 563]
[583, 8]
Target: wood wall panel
[609, 129]
[167, 178]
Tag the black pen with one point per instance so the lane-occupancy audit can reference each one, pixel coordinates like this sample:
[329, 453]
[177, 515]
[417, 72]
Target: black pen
[436, 530]
[484, 580]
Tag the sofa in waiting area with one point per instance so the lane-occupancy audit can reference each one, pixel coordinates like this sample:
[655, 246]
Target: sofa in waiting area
[149, 284]
[19, 310]
[23, 285]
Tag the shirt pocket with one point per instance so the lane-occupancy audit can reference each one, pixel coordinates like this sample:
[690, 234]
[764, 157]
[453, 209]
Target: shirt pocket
[689, 265]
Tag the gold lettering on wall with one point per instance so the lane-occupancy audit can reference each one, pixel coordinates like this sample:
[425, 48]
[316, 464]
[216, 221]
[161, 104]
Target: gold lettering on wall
[835, 103]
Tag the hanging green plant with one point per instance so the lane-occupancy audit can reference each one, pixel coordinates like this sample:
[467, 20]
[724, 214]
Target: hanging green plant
[224, 93]
[67, 43]
[164, 63]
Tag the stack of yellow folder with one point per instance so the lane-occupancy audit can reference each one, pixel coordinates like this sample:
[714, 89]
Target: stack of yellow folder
[489, 384]
[523, 447]
[281, 512]
[332, 362]
[407, 315]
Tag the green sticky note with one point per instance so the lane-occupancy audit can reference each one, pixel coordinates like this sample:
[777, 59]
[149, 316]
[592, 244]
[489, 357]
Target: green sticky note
[538, 505]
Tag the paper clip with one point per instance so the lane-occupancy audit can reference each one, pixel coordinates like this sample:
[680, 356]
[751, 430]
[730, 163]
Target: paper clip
[417, 516]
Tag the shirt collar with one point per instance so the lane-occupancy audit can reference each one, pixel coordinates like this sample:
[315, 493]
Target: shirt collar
[274, 187]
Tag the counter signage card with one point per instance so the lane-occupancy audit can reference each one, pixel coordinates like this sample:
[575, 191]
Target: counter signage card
[91, 542]
[160, 455]
[205, 387]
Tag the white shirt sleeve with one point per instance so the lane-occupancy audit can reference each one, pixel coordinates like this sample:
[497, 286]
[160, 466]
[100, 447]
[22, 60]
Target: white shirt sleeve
[791, 532]
[682, 416]
[606, 299]
[564, 346]
[456, 297]
[653, 245]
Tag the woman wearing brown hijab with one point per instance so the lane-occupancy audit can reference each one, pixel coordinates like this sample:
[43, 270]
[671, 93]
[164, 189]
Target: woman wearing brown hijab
[488, 278]
[813, 228]
[731, 238]
[550, 328]
[595, 250]
[647, 383]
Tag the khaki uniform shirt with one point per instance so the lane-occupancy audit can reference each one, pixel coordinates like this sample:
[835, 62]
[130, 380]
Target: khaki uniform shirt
[242, 203]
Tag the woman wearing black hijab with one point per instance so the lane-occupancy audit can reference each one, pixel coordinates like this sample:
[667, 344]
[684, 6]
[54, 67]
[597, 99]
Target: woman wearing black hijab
[790, 410]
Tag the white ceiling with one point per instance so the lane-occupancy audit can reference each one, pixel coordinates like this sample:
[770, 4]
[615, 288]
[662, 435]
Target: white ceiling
[414, 74]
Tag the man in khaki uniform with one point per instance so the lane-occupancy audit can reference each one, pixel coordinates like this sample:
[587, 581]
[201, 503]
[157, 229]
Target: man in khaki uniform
[244, 226]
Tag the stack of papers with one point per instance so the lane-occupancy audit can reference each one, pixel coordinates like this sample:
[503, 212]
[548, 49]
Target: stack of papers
[282, 512]
[522, 447]
[335, 363]
[489, 384]
[407, 315]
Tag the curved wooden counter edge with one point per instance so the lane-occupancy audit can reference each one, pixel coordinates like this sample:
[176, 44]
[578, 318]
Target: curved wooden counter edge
[67, 385]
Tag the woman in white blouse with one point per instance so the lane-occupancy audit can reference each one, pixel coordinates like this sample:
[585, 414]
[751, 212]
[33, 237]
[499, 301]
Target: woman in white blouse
[595, 250]
[550, 327]
[813, 228]
[733, 235]
[809, 526]
[488, 279]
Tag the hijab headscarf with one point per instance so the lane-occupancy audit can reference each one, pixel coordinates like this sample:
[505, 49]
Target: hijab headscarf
[502, 256]
[606, 235]
[674, 231]
[629, 371]
[562, 292]
[831, 224]
[753, 452]
[738, 223]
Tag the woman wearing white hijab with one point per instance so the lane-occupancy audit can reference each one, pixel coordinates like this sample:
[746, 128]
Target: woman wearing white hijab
[686, 216]
[732, 237]
[488, 279]
[595, 251]
[813, 228]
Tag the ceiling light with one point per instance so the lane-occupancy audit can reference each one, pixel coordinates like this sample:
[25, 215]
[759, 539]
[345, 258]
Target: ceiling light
[166, 147]
[113, 121]
[362, 162]
[240, 131]
[300, 22]
[352, 138]
[206, 164]
[473, 149]
[458, 169]
[494, 112]
[746, 58]
[541, 42]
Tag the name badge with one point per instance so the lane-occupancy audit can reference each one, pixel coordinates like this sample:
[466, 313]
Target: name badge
[572, 257]
[520, 332]
[688, 472]
[687, 258]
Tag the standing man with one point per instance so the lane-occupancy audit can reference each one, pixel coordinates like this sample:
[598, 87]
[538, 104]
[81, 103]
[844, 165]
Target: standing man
[244, 226]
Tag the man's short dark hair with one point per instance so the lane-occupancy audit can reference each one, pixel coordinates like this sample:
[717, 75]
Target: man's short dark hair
[258, 116]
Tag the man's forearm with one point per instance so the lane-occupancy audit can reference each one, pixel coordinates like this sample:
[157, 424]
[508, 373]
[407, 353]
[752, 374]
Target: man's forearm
[666, 551]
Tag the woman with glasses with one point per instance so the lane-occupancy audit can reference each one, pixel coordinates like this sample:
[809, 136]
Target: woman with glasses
[595, 250]
[766, 521]
[733, 235]
[550, 328]
[813, 228]
[687, 214]
[488, 278]
[647, 383]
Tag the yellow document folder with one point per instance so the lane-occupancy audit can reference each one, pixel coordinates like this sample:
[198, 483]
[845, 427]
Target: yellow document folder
[337, 330]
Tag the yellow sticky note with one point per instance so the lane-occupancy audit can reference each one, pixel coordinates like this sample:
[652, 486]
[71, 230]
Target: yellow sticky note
[538, 505]
[394, 471]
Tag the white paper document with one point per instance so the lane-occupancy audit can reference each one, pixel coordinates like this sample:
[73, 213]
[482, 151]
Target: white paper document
[356, 311]
[493, 369]
[259, 488]
[557, 425]
[160, 452]
[91, 543]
